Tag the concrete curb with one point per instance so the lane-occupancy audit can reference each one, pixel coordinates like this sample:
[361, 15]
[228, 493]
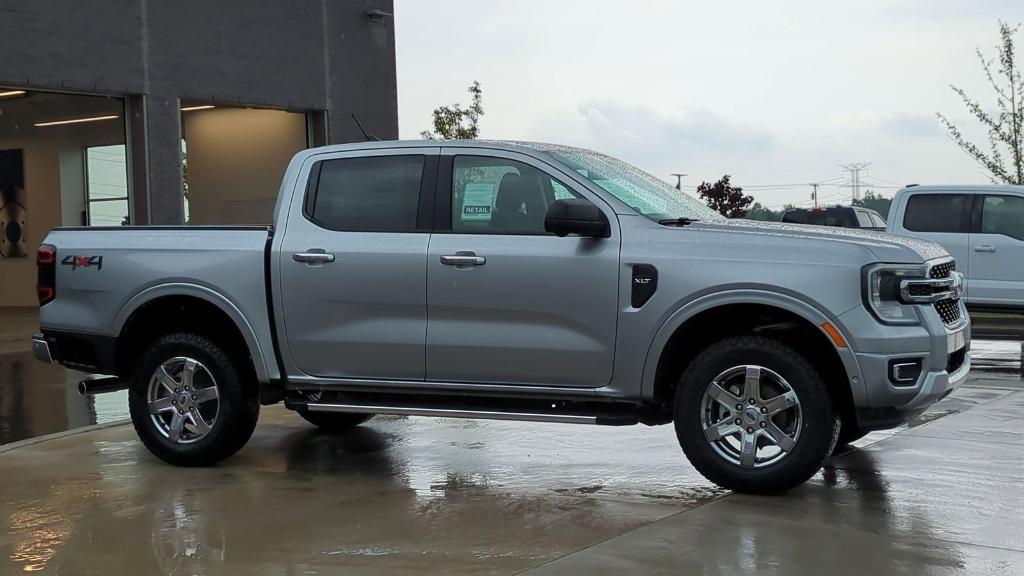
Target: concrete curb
[58, 435]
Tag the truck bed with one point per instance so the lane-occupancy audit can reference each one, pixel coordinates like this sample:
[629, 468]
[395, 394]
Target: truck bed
[106, 273]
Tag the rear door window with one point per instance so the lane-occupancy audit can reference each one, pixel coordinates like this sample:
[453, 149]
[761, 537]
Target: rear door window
[864, 219]
[367, 194]
[935, 213]
[877, 221]
[1003, 215]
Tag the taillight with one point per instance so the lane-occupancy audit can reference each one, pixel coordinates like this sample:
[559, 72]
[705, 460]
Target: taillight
[46, 273]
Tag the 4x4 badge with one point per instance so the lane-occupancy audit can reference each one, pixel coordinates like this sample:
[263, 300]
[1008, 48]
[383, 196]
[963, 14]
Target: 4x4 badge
[77, 262]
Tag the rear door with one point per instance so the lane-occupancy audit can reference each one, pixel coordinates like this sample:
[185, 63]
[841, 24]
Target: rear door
[997, 250]
[353, 265]
[943, 218]
[509, 303]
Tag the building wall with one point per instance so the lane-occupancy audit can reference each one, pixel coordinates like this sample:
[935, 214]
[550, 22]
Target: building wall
[290, 54]
[236, 159]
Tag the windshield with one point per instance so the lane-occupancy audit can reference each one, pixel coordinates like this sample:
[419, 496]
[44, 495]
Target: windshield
[639, 190]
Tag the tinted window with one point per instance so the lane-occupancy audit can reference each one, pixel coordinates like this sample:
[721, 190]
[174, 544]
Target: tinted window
[934, 212]
[501, 196]
[839, 217]
[1003, 215]
[378, 194]
[864, 219]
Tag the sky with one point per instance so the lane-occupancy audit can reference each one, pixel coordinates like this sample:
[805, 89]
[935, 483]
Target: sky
[776, 94]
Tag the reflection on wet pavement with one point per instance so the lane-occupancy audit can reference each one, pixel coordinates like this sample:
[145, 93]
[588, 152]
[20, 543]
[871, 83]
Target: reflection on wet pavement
[934, 500]
[37, 399]
[398, 495]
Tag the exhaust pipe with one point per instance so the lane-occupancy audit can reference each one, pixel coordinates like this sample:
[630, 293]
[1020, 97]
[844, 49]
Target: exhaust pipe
[100, 384]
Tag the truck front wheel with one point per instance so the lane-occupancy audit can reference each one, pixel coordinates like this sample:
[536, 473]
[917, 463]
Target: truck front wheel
[188, 402]
[753, 415]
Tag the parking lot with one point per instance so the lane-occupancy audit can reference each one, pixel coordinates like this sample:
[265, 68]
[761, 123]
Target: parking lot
[414, 495]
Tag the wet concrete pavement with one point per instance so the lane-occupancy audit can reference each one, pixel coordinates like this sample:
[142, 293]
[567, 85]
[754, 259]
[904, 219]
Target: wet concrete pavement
[943, 498]
[433, 495]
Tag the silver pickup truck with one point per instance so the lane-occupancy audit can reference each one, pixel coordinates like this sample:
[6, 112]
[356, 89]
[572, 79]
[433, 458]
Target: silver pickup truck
[515, 281]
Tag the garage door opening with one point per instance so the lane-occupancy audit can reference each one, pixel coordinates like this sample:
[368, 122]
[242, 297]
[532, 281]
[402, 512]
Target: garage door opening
[233, 160]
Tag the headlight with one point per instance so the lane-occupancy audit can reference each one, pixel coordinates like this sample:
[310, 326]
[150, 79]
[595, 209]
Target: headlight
[882, 292]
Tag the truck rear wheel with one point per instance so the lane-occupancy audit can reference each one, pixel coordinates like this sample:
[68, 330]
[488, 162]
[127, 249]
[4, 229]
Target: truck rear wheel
[188, 403]
[753, 415]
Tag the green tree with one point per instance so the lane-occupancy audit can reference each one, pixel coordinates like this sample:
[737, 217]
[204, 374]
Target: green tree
[763, 213]
[724, 198]
[457, 123]
[1005, 125]
[876, 202]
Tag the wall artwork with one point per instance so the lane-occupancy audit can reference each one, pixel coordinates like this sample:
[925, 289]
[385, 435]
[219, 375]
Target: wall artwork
[13, 241]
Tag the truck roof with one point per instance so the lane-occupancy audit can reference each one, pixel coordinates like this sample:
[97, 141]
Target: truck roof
[511, 145]
[961, 188]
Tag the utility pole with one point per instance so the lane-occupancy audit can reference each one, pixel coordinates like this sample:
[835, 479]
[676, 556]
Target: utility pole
[814, 193]
[679, 180]
[855, 168]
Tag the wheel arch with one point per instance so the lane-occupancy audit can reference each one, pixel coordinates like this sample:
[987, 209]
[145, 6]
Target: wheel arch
[178, 303]
[709, 318]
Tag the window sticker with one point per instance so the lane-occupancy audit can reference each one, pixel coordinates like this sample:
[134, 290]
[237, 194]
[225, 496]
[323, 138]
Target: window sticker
[477, 202]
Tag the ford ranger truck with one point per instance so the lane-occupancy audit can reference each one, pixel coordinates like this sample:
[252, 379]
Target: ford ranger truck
[513, 281]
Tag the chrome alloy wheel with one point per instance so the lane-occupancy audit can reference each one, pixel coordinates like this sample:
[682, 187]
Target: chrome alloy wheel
[183, 400]
[751, 416]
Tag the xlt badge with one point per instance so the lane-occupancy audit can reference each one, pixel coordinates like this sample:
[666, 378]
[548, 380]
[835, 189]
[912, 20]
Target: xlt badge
[645, 282]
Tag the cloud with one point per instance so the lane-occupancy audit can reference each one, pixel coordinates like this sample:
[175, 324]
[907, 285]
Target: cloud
[911, 124]
[657, 141]
[696, 127]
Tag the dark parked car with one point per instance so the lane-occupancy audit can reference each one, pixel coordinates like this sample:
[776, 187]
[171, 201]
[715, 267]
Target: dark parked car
[840, 216]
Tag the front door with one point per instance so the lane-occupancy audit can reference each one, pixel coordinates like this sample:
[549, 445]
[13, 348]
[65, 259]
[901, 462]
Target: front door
[353, 266]
[997, 251]
[509, 303]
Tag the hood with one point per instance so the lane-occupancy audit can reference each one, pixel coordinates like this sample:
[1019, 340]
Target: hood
[886, 247]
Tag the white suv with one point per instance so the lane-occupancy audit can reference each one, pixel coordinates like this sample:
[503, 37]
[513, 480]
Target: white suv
[981, 226]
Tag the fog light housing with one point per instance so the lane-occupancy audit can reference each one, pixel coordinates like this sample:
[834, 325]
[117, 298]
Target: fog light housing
[904, 371]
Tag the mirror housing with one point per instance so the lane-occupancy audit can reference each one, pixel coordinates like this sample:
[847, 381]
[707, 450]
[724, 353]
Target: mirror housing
[576, 216]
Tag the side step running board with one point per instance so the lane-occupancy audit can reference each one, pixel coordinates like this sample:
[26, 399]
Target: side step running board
[455, 413]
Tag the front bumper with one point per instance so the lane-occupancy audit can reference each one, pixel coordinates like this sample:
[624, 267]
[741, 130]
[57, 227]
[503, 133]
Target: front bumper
[944, 353]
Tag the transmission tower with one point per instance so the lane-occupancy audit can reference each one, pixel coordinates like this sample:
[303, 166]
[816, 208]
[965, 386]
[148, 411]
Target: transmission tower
[679, 179]
[855, 168]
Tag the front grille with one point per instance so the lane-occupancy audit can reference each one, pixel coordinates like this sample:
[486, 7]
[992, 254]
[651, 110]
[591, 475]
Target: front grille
[949, 310]
[940, 271]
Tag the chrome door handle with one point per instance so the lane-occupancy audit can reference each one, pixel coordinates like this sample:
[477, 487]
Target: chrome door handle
[985, 248]
[463, 259]
[313, 257]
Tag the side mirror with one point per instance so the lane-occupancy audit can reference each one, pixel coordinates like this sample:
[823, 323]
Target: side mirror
[576, 216]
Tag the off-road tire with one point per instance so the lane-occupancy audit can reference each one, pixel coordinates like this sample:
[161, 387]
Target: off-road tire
[239, 401]
[819, 428]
